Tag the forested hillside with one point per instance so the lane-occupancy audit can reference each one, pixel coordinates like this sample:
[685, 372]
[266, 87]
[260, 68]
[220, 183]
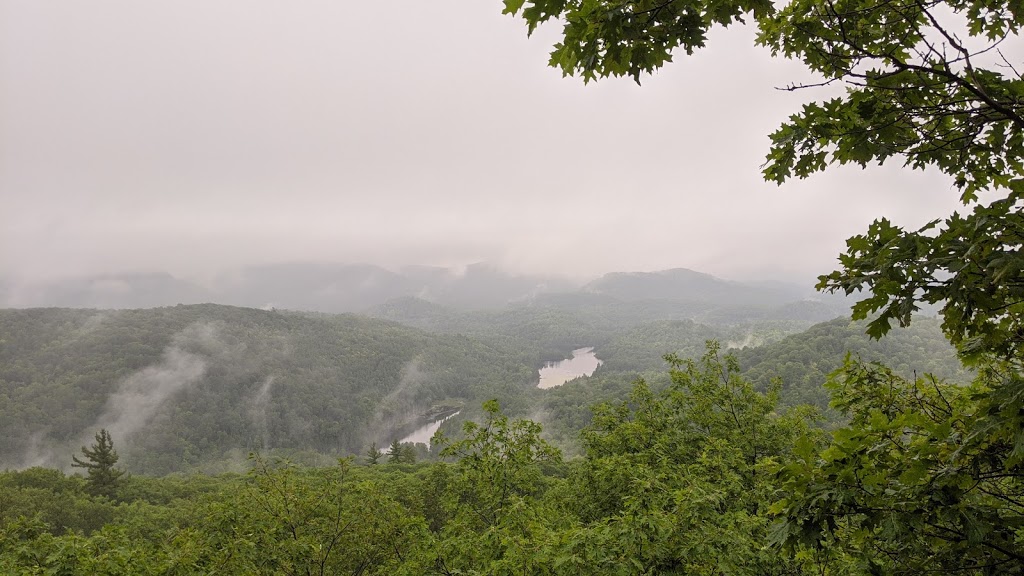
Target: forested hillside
[554, 324]
[188, 386]
[197, 387]
[803, 361]
[733, 429]
[501, 501]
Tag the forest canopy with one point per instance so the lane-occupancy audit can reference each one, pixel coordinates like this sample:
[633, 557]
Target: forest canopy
[706, 473]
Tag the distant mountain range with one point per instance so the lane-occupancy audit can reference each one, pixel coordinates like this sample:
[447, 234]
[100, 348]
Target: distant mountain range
[320, 287]
[339, 288]
[681, 285]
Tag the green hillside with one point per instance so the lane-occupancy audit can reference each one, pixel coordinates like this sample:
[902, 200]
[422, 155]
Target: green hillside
[186, 386]
[802, 361]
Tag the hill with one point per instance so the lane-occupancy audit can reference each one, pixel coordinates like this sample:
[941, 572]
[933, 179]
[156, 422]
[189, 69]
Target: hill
[803, 361]
[682, 284]
[186, 386]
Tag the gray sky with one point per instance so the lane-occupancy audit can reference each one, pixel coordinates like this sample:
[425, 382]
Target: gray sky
[192, 136]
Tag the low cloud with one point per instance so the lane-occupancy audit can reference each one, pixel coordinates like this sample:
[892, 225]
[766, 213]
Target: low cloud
[140, 396]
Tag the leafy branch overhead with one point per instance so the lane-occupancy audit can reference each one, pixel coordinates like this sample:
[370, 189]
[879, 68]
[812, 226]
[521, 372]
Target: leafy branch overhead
[933, 83]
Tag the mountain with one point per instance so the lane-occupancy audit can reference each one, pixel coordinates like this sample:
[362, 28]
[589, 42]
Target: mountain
[321, 287]
[106, 291]
[311, 286]
[620, 299]
[682, 285]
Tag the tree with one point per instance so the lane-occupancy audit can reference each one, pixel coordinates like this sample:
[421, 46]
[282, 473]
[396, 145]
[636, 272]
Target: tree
[497, 522]
[287, 519]
[408, 453]
[103, 478]
[926, 82]
[373, 454]
[909, 486]
[678, 481]
[395, 452]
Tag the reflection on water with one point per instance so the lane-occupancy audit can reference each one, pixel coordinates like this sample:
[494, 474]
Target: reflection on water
[423, 434]
[582, 363]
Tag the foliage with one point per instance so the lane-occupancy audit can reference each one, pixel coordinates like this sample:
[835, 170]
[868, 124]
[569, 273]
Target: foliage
[293, 521]
[103, 478]
[498, 463]
[678, 482]
[401, 453]
[673, 482]
[373, 454]
[227, 380]
[916, 85]
[926, 477]
[910, 486]
[60, 503]
[803, 361]
[644, 347]
[926, 81]
[220, 381]
[969, 264]
[496, 518]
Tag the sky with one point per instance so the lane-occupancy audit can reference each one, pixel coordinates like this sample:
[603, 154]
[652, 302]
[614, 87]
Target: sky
[195, 136]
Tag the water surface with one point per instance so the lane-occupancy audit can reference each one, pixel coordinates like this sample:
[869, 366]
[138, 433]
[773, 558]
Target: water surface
[582, 363]
[423, 434]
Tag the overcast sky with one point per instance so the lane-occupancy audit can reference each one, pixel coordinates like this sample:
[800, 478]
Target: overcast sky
[193, 136]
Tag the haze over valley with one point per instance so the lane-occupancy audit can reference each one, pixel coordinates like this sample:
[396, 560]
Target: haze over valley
[512, 287]
[196, 387]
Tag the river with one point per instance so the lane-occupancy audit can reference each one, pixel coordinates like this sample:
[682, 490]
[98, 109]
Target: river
[423, 434]
[582, 363]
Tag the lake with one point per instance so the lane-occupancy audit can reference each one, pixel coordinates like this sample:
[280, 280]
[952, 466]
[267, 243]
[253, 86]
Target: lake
[582, 363]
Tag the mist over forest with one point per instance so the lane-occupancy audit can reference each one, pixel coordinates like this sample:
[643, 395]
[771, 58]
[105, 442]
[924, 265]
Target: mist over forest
[212, 409]
[338, 287]
[530, 287]
[196, 387]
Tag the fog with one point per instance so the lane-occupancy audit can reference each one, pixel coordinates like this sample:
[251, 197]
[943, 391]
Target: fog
[139, 397]
[196, 138]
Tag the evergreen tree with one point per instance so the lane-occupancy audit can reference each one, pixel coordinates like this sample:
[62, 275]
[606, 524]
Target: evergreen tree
[103, 478]
[395, 452]
[373, 455]
[407, 455]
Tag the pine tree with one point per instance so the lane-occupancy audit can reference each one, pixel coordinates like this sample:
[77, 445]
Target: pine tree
[103, 478]
[373, 455]
[395, 452]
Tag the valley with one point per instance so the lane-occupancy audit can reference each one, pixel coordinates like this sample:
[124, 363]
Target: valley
[195, 388]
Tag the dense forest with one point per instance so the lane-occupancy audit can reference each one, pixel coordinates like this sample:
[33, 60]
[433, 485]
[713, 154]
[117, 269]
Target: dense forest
[688, 479]
[197, 387]
[501, 498]
[703, 445]
[190, 388]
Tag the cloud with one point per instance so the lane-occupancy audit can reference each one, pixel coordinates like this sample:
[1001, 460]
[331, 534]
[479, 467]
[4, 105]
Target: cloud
[398, 133]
